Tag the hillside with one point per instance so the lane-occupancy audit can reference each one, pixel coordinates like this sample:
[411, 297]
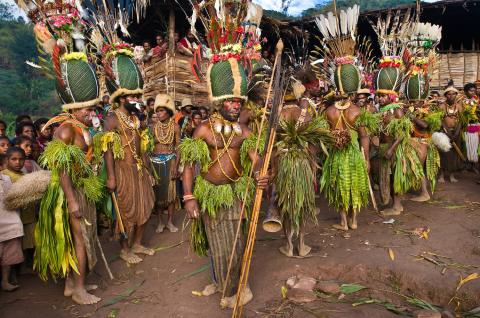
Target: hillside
[24, 89]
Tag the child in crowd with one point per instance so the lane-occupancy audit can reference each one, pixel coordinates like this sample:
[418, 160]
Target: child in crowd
[11, 228]
[3, 161]
[26, 144]
[4, 144]
[15, 170]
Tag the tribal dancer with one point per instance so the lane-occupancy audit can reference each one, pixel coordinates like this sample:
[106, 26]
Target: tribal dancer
[470, 122]
[125, 145]
[295, 166]
[426, 118]
[345, 179]
[66, 231]
[224, 149]
[165, 159]
[450, 161]
[399, 163]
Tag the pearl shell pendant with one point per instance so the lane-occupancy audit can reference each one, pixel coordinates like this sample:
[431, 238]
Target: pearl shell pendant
[227, 130]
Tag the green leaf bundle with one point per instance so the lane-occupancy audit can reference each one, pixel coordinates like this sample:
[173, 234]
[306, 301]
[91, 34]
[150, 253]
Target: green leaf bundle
[194, 150]
[345, 179]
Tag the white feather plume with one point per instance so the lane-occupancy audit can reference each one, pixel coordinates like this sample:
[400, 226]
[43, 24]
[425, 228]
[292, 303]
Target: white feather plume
[441, 141]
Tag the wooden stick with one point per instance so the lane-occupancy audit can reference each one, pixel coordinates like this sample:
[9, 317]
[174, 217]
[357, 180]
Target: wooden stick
[119, 217]
[262, 123]
[372, 195]
[247, 256]
[104, 259]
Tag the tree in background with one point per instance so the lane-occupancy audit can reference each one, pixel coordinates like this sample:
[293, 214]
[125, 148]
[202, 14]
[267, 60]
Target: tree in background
[24, 90]
[365, 5]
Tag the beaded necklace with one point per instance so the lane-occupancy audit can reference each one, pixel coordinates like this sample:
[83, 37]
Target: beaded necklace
[132, 125]
[164, 133]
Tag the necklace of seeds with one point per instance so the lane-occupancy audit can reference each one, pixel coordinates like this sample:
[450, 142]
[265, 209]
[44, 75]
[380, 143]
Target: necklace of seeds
[164, 133]
[126, 122]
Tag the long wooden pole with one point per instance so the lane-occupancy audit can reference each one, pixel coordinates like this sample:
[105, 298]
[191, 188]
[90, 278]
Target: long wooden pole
[257, 146]
[247, 256]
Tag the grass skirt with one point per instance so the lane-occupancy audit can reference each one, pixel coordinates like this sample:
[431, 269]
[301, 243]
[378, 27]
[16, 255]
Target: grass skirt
[345, 179]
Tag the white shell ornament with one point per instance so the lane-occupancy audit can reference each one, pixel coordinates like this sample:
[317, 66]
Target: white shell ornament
[237, 129]
[217, 127]
[227, 130]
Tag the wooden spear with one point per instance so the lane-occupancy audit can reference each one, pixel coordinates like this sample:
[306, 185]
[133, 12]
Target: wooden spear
[271, 133]
[279, 49]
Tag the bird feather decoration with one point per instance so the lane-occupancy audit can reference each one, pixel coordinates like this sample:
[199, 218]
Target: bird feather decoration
[393, 31]
[335, 29]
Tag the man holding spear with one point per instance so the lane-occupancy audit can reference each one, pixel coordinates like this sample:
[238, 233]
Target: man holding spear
[224, 149]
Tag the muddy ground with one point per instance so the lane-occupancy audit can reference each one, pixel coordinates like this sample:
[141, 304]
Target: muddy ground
[162, 285]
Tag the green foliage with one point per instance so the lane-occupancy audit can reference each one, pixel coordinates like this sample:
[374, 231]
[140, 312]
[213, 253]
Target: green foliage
[432, 164]
[194, 150]
[24, 89]
[345, 179]
[370, 121]
[365, 5]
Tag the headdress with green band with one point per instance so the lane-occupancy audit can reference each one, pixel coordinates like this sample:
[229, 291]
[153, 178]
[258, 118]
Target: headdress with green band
[393, 32]
[339, 32]
[233, 38]
[421, 58]
[59, 31]
[122, 75]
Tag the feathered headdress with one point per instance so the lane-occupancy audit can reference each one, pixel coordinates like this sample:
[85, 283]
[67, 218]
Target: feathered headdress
[59, 30]
[393, 33]
[420, 58]
[338, 48]
[233, 38]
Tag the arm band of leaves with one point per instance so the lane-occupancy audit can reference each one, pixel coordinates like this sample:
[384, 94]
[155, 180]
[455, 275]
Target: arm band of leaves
[194, 150]
[400, 128]
[370, 121]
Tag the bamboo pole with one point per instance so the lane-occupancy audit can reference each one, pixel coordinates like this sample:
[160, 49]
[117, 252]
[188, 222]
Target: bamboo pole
[257, 145]
[247, 256]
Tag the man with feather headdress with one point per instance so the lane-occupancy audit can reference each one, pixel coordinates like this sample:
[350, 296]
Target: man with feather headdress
[426, 118]
[345, 179]
[66, 231]
[225, 150]
[399, 163]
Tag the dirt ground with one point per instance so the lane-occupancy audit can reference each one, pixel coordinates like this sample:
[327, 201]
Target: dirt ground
[162, 285]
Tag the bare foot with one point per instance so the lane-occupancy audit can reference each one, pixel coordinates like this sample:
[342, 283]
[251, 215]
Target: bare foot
[81, 297]
[130, 257]
[352, 224]
[140, 249]
[229, 302]
[160, 228]
[286, 250]
[340, 227]
[6, 286]
[441, 179]
[421, 198]
[68, 291]
[453, 179]
[172, 228]
[391, 211]
[209, 290]
[303, 250]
